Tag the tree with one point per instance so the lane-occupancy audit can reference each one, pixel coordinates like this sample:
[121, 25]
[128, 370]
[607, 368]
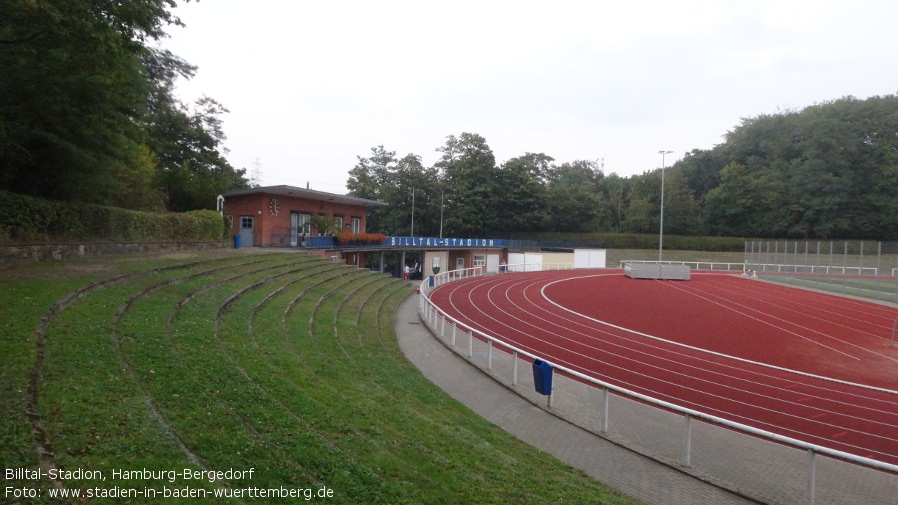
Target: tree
[522, 191]
[822, 172]
[372, 178]
[682, 213]
[187, 143]
[468, 169]
[71, 92]
[84, 100]
[416, 188]
[574, 198]
[700, 170]
[642, 216]
[397, 182]
[614, 189]
[371, 175]
[742, 205]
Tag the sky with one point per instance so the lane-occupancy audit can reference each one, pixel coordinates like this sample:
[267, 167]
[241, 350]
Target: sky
[312, 85]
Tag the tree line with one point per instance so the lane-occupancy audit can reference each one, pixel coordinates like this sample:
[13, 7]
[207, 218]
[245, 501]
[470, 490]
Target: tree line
[88, 112]
[828, 171]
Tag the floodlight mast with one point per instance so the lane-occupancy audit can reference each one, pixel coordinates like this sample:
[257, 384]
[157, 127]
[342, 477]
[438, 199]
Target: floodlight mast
[661, 233]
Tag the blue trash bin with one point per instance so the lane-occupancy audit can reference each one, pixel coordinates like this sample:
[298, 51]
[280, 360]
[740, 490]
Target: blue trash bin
[542, 377]
[430, 281]
[236, 241]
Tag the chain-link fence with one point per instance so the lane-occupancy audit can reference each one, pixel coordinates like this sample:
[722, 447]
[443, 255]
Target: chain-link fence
[859, 268]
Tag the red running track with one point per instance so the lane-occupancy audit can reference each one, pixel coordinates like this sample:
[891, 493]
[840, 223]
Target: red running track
[806, 365]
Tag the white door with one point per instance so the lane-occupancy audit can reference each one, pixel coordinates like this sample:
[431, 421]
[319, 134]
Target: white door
[459, 263]
[246, 231]
[515, 262]
[492, 263]
[533, 262]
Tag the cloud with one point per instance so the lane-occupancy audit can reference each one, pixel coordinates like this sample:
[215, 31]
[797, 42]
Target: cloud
[312, 85]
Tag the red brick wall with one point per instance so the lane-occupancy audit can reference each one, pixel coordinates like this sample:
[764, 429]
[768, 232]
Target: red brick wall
[257, 205]
[246, 205]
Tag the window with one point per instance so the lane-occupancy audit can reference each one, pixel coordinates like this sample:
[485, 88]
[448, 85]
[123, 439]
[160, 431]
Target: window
[338, 223]
[246, 222]
[356, 225]
[300, 223]
[480, 260]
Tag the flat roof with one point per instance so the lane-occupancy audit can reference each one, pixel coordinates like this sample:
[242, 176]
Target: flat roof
[308, 194]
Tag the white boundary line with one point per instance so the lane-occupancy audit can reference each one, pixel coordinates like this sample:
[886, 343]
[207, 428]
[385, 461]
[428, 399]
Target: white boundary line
[713, 353]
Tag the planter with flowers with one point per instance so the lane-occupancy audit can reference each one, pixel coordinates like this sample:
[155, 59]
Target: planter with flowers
[345, 238]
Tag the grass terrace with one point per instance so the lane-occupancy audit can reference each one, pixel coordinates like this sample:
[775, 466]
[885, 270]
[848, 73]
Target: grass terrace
[120, 372]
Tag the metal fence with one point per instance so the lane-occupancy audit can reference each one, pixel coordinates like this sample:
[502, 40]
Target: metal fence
[769, 468]
[858, 268]
[695, 265]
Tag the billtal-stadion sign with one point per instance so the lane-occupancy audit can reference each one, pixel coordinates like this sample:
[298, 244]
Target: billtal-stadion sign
[446, 242]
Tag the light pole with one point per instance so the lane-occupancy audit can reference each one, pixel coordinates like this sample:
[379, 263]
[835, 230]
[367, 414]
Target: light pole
[661, 233]
[413, 212]
[441, 213]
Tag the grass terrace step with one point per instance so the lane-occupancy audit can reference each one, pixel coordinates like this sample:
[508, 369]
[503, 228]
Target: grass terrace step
[284, 363]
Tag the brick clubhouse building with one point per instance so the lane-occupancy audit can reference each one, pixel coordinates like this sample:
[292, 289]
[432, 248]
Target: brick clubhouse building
[280, 216]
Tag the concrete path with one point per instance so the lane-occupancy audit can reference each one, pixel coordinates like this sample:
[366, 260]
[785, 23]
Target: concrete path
[725, 467]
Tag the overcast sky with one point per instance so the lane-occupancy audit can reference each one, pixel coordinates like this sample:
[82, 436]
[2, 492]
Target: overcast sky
[310, 85]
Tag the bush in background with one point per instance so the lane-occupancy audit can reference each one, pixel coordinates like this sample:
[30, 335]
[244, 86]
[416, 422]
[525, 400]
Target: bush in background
[30, 219]
[639, 241]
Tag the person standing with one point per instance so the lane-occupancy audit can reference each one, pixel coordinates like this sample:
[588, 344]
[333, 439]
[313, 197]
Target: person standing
[405, 273]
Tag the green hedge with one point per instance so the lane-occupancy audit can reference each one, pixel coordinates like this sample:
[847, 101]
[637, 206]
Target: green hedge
[641, 241]
[30, 219]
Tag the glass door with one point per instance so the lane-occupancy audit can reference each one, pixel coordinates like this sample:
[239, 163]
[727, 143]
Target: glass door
[300, 228]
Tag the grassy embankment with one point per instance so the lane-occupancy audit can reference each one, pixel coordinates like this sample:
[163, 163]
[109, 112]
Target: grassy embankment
[277, 362]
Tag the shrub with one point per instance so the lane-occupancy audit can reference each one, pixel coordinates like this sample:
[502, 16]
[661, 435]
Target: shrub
[640, 241]
[30, 219]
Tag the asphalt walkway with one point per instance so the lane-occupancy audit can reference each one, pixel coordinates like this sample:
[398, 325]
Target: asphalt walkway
[725, 467]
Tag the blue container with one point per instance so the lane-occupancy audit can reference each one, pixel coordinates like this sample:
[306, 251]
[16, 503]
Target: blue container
[542, 377]
[236, 241]
[430, 281]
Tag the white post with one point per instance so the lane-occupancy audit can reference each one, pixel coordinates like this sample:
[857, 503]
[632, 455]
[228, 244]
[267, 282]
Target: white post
[812, 471]
[605, 394]
[661, 232]
[489, 354]
[514, 373]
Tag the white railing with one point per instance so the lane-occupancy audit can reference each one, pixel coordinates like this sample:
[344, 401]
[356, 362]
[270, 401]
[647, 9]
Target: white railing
[452, 275]
[437, 320]
[816, 269]
[537, 267]
[771, 267]
[696, 265]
